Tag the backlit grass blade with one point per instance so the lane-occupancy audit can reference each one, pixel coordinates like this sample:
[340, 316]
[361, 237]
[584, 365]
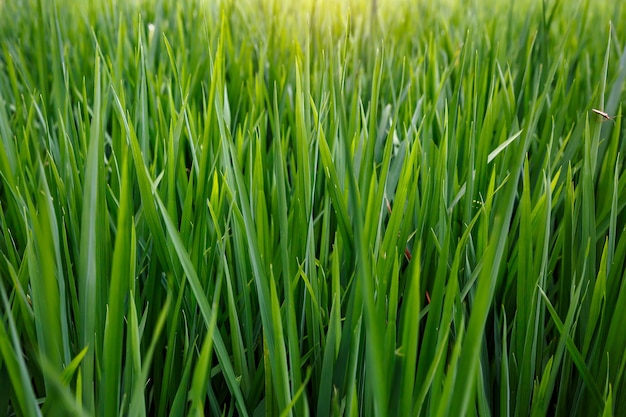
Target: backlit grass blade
[325, 388]
[122, 273]
[335, 189]
[89, 265]
[410, 338]
[201, 376]
[137, 406]
[203, 304]
[271, 325]
[290, 304]
[484, 293]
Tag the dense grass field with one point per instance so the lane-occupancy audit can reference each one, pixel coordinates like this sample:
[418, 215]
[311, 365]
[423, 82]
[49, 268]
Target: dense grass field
[266, 208]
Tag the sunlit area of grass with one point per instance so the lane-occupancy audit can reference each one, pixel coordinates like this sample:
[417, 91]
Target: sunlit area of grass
[316, 208]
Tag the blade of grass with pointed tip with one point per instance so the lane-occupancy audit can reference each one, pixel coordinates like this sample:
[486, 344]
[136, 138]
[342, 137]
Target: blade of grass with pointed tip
[89, 266]
[122, 272]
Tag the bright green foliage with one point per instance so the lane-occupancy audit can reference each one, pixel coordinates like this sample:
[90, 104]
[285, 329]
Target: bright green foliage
[317, 208]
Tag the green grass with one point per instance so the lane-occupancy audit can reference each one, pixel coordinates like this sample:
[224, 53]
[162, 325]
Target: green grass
[272, 209]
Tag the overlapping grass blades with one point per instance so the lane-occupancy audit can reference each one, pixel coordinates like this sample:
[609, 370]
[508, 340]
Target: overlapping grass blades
[243, 208]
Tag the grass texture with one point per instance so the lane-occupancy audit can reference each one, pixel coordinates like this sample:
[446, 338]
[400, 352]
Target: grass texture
[273, 208]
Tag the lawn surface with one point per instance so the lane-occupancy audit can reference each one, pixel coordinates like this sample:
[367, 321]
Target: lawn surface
[259, 208]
